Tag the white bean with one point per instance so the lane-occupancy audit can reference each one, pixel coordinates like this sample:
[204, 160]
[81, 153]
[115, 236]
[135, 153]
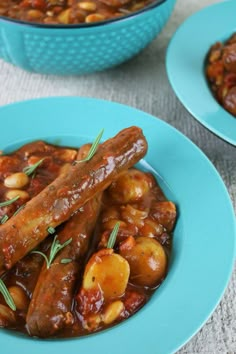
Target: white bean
[16, 180]
[17, 192]
[113, 311]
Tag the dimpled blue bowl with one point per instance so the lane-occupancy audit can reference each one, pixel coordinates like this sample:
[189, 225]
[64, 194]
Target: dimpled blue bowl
[83, 48]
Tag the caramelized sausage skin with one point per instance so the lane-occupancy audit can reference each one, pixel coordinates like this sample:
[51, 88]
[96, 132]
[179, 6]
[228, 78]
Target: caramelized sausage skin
[51, 303]
[67, 193]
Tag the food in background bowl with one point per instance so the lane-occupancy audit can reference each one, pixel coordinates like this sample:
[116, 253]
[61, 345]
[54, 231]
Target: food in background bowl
[85, 237]
[83, 47]
[221, 73]
[69, 12]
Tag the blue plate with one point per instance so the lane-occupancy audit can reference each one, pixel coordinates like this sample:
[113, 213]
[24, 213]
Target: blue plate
[185, 65]
[204, 238]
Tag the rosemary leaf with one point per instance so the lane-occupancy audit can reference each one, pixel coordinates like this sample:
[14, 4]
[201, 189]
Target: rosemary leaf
[4, 219]
[55, 248]
[44, 256]
[7, 296]
[112, 239]
[19, 209]
[29, 170]
[93, 148]
[10, 201]
[66, 260]
[51, 230]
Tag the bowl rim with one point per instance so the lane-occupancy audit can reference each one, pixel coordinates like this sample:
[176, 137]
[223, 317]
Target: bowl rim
[154, 4]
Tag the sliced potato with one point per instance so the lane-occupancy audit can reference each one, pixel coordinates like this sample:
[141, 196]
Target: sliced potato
[108, 271]
[147, 260]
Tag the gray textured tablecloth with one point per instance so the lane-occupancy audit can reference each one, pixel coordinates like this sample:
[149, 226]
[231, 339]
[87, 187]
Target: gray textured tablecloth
[142, 83]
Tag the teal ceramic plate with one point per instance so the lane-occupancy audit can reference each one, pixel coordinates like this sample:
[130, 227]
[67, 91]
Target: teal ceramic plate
[204, 238]
[185, 65]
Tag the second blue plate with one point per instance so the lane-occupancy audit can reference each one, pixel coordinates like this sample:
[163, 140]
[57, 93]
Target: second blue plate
[185, 66]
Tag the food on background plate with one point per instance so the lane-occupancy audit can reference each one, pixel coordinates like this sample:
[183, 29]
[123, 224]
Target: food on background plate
[69, 12]
[101, 231]
[221, 73]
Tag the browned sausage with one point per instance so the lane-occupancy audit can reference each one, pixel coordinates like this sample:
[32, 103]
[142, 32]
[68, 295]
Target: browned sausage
[67, 193]
[51, 304]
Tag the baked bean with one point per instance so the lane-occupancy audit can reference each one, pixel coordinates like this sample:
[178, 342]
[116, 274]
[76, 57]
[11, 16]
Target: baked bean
[17, 192]
[16, 180]
[94, 18]
[87, 5]
[112, 311]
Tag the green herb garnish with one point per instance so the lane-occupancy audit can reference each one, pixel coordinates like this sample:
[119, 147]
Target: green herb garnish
[66, 260]
[10, 201]
[93, 148]
[19, 209]
[7, 296]
[4, 219]
[112, 238]
[51, 230]
[29, 170]
[55, 248]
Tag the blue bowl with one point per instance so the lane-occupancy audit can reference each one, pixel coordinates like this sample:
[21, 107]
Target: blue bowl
[84, 48]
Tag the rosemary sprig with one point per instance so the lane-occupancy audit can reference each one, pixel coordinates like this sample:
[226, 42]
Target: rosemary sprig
[10, 201]
[93, 148]
[7, 296]
[4, 219]
[29, 170]
[55, 248]
[112, 238]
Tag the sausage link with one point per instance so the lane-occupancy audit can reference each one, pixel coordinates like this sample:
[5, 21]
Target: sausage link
[51, 303]
[67, 193]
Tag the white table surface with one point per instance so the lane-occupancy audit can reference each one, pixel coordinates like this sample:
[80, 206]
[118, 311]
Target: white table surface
[142, 83]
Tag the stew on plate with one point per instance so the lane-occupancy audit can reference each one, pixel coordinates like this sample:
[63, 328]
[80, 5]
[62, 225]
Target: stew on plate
[85, 236]
[221, 73]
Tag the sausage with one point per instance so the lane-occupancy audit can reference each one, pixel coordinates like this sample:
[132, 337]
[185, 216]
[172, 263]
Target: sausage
[51, 303]
[68, 192]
